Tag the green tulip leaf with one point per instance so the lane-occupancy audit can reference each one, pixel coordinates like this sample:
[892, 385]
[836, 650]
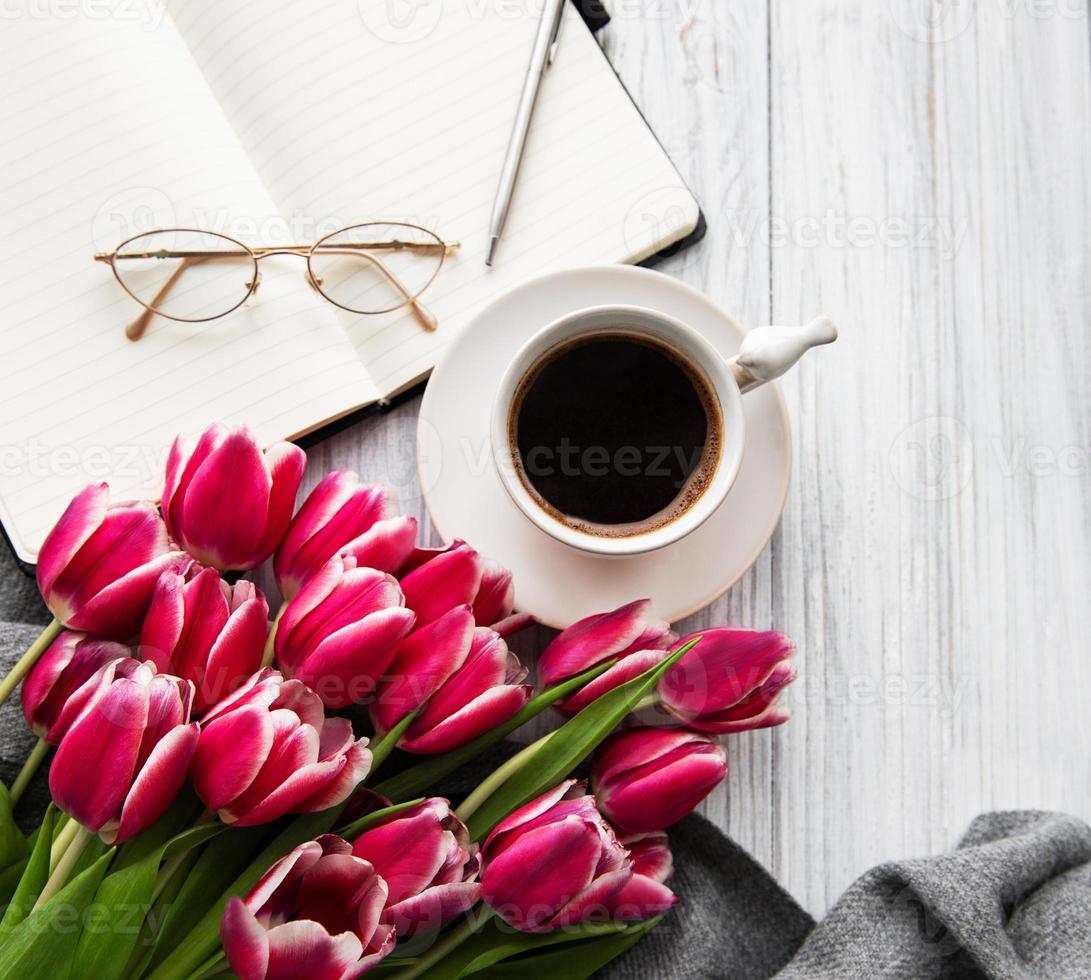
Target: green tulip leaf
[575, 961]
[44, 943]
[220, 862]
[126, 895]
[568, 746]
[33, 878]
[14, 849]
[357, 827]
[414, 781]
[203, 940]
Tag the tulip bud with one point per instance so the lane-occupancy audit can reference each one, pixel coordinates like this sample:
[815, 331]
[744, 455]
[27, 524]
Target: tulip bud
[341, 632]
[124, 759]
[553, 863]
[629, 635]
[464, 679]
[63, 681]
[646, 779]
[645, 894]
[425, 857]
[730, 681]
[315, 913]
[341, 516]
[99, 564]
[206, 631]
[454, 576]
[268, 749]
[228, 503]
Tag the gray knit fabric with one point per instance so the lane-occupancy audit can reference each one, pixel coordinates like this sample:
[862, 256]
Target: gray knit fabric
[1011, 902]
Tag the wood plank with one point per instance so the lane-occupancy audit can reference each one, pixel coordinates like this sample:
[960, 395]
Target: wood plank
[913, 551]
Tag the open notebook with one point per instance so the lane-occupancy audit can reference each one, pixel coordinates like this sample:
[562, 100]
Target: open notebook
[276, 122]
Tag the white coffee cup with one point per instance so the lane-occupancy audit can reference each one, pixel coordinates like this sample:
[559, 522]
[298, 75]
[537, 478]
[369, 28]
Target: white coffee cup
[766, 353]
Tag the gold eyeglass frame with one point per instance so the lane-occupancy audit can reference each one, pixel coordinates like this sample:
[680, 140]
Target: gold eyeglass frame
[135, 330]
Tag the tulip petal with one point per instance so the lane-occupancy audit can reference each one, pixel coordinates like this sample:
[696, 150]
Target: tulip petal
[345, 667]
[223, 534]
[117, 610]
[230, 753]
[294, 747]
[157, 783]
[540, 872]
[356, 764]
[448, 580]
[594, 900]
[93, 768]
[286, 464]
[235, 654]
[479, 716]
[296, 863]
[495, 597]
[165, 619]
[658, 795]
[651, 855]
[304, 949]
[597, 638]
[432, 908]
[182, 464]
[79, 521]
[385, 545]
[244, 941]
[620, 673]
[329, 892]
[407, 853]
[640, 898]
[424, 660]
[529, 811]
[722, 669]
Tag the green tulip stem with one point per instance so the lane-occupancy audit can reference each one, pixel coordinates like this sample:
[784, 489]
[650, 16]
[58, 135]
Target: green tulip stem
[270, 643]
[29, 659]
[64, 837]
[451, 941]
[30, 767]
[59, 876]
[501, 775]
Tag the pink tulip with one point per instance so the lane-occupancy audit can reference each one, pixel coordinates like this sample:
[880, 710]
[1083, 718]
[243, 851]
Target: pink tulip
[124, 759]
[441, 579]
[553, 863]
[425, 857]
[646, 779]
[56, 691]
[315, 913]
[99, 564]
[730, 681]
[206, 631]
[268, 749]
[629, 635]
[341, 516]
[466, 679]
[228, 503]
[645, 894]
[341, 632]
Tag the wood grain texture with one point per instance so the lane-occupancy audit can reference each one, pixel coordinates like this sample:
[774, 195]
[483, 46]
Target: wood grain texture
[932, 195]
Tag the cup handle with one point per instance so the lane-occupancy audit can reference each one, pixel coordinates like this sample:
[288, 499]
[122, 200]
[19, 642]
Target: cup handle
[767, 352]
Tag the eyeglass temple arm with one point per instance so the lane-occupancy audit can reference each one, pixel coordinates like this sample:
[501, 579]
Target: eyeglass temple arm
[135, 330]
[421, 313]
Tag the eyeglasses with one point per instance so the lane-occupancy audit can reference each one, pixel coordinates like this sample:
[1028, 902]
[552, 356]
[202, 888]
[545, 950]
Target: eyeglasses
[193, 276]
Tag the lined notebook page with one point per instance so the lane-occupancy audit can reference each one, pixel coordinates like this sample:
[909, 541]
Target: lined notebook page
[110, 129]
[349, 114]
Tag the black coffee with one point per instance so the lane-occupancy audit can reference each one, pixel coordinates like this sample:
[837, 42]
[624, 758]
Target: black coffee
[615, 434]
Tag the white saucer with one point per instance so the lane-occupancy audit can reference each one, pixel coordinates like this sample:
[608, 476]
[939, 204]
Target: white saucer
[556, 584]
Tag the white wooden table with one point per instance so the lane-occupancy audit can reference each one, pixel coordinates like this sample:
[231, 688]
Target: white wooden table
[933, 561]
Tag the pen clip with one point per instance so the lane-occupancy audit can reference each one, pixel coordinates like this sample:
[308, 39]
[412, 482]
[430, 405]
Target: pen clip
[555, 40]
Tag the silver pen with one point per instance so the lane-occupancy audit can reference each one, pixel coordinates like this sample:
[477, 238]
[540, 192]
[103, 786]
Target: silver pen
[545, 47]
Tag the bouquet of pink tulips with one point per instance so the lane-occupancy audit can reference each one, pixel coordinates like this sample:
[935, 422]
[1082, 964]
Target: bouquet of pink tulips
[231, 794]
